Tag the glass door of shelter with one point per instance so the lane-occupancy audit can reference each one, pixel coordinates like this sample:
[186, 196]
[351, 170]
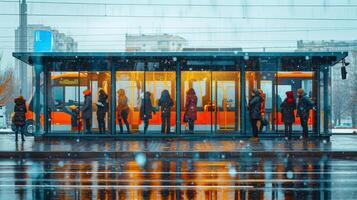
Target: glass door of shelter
[225, 95]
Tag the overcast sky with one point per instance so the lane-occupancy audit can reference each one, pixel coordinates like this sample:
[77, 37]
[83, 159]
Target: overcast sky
[216, 23]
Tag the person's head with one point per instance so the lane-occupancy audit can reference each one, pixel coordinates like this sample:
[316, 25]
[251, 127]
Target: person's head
[147, 95]
[289, 94]
[300, 92]
[121, 92]
[191, 92]
[101, 91]
[73, 107]
[87, 92]
[165, 94]
[19, 99]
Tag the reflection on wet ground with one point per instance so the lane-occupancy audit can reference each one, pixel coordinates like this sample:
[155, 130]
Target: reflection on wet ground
[142, 177]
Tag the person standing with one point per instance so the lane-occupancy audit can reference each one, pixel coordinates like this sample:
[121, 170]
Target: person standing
[19, 118]
[102, 109]
[123, 110]
[166, 103]
[146, 110]
[303, 110]
[191, 109]
[254, 107]
[87, 111]
[287, 111]
[261, 123]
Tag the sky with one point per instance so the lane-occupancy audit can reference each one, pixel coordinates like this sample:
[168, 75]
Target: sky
[275, 25]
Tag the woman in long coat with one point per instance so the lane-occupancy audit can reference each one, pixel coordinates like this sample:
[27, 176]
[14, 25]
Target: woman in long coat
[191, 108]
[19, 118]
[287, 111]
[146, 110]
[123, 110]
[255, 113]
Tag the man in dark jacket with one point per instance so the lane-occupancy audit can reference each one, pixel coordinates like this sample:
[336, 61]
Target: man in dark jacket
[19, 118]
[166, 103]
[146, 110]
[255, 111]
[87, 111]
[102, 108]
[303, 110]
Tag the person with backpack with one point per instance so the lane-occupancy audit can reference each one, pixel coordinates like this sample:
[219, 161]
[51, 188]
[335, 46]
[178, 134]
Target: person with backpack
[102, 109]
[19, 118]
[166, 103]
[255, 114]
[304, 105]
[287, 111]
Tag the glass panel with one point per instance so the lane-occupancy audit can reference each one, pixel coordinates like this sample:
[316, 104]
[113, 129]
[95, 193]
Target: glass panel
[198, 82]
[63, 101]
[225, 86]
[95, 114]
[292, 81]
[130, 87]
[162, 88]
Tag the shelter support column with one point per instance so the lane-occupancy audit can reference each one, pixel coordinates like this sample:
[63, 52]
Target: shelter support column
[326, 105]
[242, 100]
[37, 103]
[113, 96]
[178, 97]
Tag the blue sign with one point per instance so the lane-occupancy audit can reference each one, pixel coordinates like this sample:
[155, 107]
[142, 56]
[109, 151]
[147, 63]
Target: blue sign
[42, 41]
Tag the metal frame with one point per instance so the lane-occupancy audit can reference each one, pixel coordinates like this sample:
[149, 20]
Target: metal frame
[41, 61]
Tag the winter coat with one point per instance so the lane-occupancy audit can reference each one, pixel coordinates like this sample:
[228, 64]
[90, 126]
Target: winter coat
[166, 103]
[146, 107]
[255, 106]
[304, 105]
[191, 105]
[287, 108]
[102, 105]
[262, 104]
[19, 118]
[87, 107]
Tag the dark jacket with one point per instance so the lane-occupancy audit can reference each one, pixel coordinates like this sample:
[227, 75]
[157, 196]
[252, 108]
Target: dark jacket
[102, 105]
[304, 105]
[19, 118]
[166, 103]
[191, 104]
[146, 107]
[255, 106]
[87, 107]
[287, 111]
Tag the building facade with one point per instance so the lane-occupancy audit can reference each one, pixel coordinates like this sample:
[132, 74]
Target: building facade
[154, 43]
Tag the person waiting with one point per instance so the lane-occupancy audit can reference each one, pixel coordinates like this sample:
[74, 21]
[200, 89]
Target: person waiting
[87, 111]
[19, 118]
[287, 111]
[303, 110]
[166, 103]
[254, 108]
[191, 109]
[123, 110]
[146, 110]
[102, 109]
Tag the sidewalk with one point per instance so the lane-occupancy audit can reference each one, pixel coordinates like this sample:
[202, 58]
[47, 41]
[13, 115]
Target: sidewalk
[337, 146]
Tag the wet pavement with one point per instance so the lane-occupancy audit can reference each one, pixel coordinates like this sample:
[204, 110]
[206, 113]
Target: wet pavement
[178, 169]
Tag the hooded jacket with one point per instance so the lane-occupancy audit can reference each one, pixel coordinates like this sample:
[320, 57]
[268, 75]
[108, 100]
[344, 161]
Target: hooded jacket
[165, 102]
[146, 107]
[287, 108]
[255, 105]
[304, 105]
[102, 105]
[87, 106]
[191, 104]
[19, 118]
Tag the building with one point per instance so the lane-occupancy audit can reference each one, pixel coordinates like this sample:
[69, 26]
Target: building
[60, 42]
[154, 43]
[222, 81]
[238, 49]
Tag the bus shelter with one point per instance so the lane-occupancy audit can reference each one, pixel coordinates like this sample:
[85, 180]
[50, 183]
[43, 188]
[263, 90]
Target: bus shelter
[222, 81]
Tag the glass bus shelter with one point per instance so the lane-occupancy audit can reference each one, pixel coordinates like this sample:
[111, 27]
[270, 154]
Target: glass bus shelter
[222, 81]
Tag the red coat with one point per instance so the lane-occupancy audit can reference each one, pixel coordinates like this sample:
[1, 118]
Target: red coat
[191, 105]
